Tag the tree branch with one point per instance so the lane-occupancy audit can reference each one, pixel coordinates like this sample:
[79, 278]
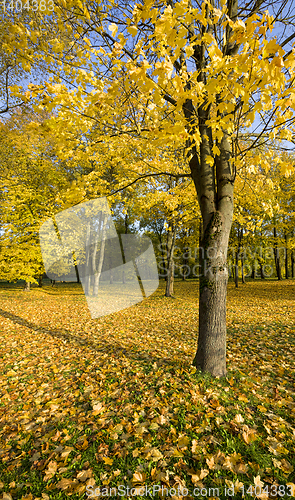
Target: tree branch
[177, 176]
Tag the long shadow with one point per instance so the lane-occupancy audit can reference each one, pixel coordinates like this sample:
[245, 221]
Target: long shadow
[281, 291]
[108, 347]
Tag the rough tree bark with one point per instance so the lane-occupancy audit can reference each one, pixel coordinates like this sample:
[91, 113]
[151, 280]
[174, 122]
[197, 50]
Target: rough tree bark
[27, 286]
[215, 193]
[214, 186]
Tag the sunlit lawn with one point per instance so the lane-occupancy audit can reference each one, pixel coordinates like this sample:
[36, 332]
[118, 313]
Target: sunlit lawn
[89, 403]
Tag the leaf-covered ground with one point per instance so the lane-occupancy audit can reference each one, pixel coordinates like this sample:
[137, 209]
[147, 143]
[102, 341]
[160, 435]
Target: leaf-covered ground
[89, 405]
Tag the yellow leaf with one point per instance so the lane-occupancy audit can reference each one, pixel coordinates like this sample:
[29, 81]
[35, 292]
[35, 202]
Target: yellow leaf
[249, 435]
[108, 461]
[113, 28]
[239, 25]
[189, 51]
[156, 454]
[154, 426]
[118, 428]
[258, 482]
[132, 30]
[215, 150]
[183, 441]
[286, 466]
[243, 398]
[83, 446]
[199, 476]
[239, 419]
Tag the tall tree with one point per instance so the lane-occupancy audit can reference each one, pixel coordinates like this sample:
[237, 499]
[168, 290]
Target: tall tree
[180, 70]
[31, 184]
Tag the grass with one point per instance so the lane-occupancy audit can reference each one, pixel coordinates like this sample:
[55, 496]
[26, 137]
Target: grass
[97, 403]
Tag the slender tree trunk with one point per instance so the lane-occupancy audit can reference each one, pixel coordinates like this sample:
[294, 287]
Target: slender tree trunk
[77, 274]
[170, 264]
[237, 261]
[292, 263]
[276, 254]
[237, 269]
[170, 280]
[87, 273]
[40, 281]
[27, 286]
[52, 282]
[242, 256]
[101, 256]
[126, 224]
[286, 257]
[232, 270]
[261, 271]
[240, 238]
[243, 274]
[185, 261]
[163, 263]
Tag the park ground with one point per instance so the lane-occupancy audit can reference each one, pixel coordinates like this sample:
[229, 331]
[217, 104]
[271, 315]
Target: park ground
[97, 403]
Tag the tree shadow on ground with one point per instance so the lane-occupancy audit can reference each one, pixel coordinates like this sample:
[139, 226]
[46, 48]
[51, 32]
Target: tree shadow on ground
[108, 347]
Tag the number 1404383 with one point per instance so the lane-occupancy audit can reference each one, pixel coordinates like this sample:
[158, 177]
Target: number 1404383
[27, 5]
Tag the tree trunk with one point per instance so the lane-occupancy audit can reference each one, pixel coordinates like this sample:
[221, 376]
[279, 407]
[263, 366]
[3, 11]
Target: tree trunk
[40, 281]
[163, 263]
[126, 225]
[211, 353]
[27, 286]
[52, 282]
[261, 271]
[277, 254]
[101, 256]
[77, 274]
[170, 264]
[237, 269]
[213, 176]
[240, 238]
[170, 280]
[292, 264]
[286, 257]
[243, 274]
[184, 270]
[232, 271]
[87, 273]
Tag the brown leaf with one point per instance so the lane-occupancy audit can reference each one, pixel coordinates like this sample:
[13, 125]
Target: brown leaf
[138, 477]
[84, 474]
[65, 484]
[6, 496]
